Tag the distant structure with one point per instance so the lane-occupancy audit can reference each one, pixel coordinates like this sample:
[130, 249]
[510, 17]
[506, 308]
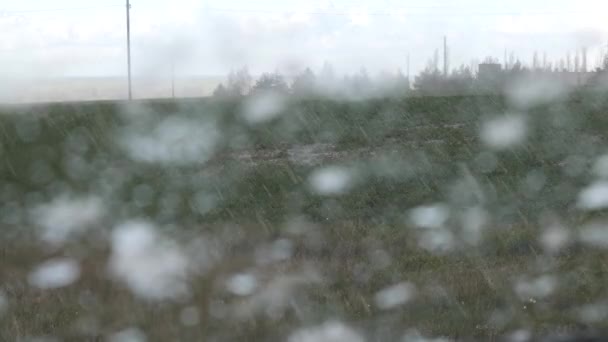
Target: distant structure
[489, 71]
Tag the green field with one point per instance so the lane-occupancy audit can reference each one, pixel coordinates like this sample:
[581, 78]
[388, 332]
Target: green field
[245, 187]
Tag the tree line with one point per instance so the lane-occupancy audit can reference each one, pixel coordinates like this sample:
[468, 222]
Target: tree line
[462, 80]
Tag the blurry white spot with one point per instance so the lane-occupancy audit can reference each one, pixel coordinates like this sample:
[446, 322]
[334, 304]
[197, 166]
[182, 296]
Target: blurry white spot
[415, 336]
[538, 288]
[504, 132]
[277, 294]
[528, 92]
[203, 202]
[189, 317]
[152, 267]
[437, 240]
[128, 335]
[328, 332]
[394, 296]
[434, 216]
[242, 284]
[574, 165]
[600, 168]
[331, 180]
[54, 274]
[555, 238]
[263, 107]
[173, 141]
[519, 336]
[594, 197]
[595, 234]
[282, 250]
[380, 259]
[473, 223]
[486, 162]
[64, 217]
[593, 313]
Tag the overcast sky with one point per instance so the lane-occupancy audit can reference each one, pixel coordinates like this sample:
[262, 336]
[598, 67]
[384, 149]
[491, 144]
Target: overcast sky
[87, 37]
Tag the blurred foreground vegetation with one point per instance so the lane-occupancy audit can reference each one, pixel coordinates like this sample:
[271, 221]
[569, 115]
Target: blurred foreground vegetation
[249, 187]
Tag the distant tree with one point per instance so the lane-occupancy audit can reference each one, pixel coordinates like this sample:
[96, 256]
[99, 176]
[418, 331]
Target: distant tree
[327, 73]
[239, 82]
[304, 83]
[429, 81]
[221, 91]
[271, 82]
[361, 84]
[392, 85]
[460, 82]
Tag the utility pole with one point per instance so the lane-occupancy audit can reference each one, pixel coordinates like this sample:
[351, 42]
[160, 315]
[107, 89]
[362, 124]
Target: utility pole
[445, 56]
[173, 78]
[408, 67]
[585, 59]
[129, 49]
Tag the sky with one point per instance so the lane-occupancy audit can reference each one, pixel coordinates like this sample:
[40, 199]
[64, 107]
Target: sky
[87, 37]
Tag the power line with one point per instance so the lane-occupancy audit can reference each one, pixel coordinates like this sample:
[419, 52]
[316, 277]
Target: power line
[65, 9]
[403, 11]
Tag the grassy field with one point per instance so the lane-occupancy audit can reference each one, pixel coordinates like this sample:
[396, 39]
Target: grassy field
[483, 272]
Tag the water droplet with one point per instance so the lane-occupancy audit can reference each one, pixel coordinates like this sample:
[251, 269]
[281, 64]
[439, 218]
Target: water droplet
[394, 296]
[153, 268]
[595, 234]
[263, 107]
[242, 284]
[594, 197]
[540, 287]
[54, 274]
[433, 216]
[328, 332]
[129, 335]
[504, 132]
[65, 217]
[331, 181]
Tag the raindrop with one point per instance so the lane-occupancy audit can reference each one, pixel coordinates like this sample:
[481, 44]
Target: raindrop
[600, 168]
[54, 274]
[555, 238]
[128, 335]
[328, 332]
[64, 217]
[331, 181]
[595, 234]
[594, 197]
[153, 268]
[538, 288]
[173, 141]
[434, 216]
[242, 284]
[593, 313]
[473, 224]
[264, 107]
[504, 132]
[394, 296]
[486, 162]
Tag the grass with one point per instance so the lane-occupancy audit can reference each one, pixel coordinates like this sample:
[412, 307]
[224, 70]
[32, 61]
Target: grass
[403, 153]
